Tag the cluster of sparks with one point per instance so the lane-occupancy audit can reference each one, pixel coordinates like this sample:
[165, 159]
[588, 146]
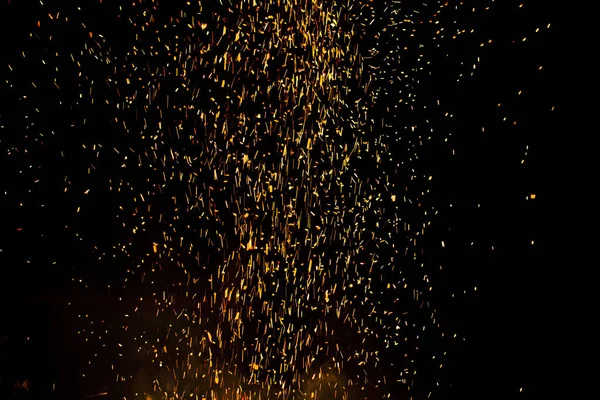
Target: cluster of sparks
[263, 164]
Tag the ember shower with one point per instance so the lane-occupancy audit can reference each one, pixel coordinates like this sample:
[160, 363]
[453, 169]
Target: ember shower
[268, 169]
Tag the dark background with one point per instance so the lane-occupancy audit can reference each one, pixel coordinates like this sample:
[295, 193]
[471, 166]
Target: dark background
[506, 322]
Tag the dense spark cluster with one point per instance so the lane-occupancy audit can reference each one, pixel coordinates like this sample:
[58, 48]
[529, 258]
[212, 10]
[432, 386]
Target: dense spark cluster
[263, 163]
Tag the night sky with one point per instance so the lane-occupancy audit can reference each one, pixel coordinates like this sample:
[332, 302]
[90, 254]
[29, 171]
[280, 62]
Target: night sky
[294, 199]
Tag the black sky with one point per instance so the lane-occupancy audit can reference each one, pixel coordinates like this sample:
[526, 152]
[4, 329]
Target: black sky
[495, 234]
